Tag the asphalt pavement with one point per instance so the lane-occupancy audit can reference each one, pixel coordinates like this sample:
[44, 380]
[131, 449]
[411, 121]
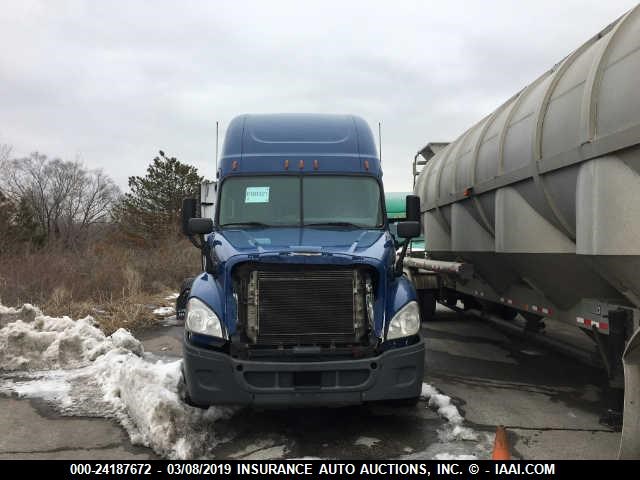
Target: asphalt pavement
[551, 405]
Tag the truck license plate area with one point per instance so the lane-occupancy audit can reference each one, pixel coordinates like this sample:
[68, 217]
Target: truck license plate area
[307, 379]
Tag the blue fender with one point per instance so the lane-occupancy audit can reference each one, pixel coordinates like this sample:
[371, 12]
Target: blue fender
[400, 293]
[208, 289]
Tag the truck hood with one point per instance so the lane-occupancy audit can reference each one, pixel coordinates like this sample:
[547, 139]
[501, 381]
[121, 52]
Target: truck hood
[307, 240]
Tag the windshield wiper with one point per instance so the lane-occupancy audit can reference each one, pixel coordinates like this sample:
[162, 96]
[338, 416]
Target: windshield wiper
[334, 224]
[245, 224]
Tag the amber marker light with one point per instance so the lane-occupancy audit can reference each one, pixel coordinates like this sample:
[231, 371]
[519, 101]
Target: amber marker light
[315, 164]
[286, 164]
[366, 165]
[301, 164]
[234, 165]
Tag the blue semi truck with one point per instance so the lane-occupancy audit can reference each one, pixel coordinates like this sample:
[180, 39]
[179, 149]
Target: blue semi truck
[302, 300]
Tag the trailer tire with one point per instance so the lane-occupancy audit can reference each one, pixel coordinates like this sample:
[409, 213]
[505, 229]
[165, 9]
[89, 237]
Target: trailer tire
[450, 301]
[427, 303]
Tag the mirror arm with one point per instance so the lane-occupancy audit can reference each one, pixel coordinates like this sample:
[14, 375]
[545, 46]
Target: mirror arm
[198, 244]
[210, 264]
[403, 253]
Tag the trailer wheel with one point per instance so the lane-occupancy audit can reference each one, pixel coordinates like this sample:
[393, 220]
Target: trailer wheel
[450, 301]
[427, 302]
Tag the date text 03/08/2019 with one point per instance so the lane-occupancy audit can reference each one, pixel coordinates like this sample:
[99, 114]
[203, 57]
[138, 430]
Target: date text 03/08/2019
[268, 468]
[309, 468]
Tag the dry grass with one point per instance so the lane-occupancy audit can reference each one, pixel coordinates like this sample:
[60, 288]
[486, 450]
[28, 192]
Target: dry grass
[116, 284]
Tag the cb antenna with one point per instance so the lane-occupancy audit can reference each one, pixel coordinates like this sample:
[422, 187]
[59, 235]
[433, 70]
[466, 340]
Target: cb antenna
[380, 141]
[216, 147]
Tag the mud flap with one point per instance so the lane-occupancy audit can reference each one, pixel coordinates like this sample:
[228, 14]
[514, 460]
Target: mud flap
[630, 442]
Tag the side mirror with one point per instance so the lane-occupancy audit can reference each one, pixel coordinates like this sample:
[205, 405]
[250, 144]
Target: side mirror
[412, 208]
[410, 229]
[189, 211]
[200, 226]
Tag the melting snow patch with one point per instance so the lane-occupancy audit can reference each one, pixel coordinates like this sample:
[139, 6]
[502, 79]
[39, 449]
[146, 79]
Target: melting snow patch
[366, 441]
[52, 388]
[80, 371]
[443, 406]
[441, 403]
[171, 321]
[164, 311]
[452, 433]
[427, 391]
[173, 296]
[453, 456]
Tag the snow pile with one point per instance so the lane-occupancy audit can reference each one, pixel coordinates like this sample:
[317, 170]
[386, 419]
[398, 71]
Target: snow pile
[146, 397]
[30, 340]
[80, 371]
[26, 313]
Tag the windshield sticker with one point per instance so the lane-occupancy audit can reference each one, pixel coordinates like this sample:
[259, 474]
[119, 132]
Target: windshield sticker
[256, 195]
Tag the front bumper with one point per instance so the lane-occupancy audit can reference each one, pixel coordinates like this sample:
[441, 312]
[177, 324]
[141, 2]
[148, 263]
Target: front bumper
[216, 378]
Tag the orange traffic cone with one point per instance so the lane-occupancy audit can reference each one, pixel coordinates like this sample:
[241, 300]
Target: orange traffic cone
[501, 445]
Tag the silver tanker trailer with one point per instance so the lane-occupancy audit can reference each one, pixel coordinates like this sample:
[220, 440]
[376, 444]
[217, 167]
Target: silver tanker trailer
[536, 208]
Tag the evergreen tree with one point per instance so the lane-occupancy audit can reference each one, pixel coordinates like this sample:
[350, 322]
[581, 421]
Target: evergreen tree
[152, 208]
[18, 224]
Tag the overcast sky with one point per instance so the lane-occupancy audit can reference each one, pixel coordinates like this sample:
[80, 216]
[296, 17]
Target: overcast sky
[112, 82]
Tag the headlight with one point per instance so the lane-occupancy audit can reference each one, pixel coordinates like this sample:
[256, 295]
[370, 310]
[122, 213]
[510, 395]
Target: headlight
[201, 319]
[405, 323]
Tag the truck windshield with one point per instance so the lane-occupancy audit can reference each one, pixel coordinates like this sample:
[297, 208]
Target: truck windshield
[294, 201]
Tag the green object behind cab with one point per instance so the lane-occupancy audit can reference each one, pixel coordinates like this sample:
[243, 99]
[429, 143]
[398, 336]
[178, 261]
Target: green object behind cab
[396, 208]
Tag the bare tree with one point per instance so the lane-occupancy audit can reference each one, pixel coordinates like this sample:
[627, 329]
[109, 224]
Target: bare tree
[87, 203]
[5, 153]
[65, 197]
